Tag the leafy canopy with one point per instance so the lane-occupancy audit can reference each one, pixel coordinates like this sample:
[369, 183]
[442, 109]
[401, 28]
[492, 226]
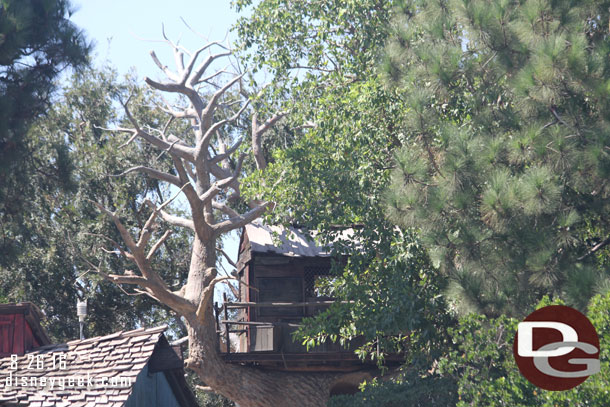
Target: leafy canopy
[333, 165]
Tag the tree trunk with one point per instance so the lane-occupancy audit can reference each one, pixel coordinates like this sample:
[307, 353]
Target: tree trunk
[252, 387]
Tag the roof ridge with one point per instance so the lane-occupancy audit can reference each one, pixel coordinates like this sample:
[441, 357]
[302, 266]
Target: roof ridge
[119, 334]
[145, 331]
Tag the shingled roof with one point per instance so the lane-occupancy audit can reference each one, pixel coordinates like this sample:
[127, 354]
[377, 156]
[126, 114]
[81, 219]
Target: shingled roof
[291, 242]
[98, 371]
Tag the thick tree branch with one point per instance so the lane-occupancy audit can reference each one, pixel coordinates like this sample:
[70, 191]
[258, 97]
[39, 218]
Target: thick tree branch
[162, 67]
[224, 209]
[205, 65]
[157, 245]
[241, 220]
[257, 137]
[189, 190]
[180, 341]
[208, 292]
[134, 280]
[177, 221]
[151, 281]
[147, 230]
[202, 145]
[208, 112]
[178, 88]
[162, 176]
[222, 156]
[189, 68]
[179, 114]
[271, 122]
[175, 147]
[217, 186]
[125, 235]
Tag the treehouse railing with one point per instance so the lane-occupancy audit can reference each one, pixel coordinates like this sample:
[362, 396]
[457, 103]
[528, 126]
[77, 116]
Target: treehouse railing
[228, 324]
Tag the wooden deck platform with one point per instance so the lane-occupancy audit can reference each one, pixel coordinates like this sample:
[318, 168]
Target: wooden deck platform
[271, 346]
[316, 361]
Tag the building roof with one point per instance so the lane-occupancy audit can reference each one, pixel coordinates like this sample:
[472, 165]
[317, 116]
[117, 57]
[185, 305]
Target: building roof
[287, 241]
[103, 370]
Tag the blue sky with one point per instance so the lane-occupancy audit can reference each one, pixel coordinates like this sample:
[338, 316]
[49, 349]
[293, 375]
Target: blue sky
[125, 31]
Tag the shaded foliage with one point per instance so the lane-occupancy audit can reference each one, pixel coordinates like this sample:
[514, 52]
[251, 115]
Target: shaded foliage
[37, 42]
[46, 252]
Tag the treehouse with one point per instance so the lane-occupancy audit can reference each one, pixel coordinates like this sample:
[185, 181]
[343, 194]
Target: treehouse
[278, 270]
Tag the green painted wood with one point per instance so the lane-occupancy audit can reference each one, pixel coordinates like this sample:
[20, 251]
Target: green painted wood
[151, 390]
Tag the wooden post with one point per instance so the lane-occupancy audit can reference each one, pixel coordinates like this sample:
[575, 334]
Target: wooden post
[224, 298]
[216, 312]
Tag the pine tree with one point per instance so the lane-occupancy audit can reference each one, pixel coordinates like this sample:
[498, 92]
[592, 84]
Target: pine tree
[507, 176]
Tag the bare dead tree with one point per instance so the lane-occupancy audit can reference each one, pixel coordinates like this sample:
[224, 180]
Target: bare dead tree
[207, 181]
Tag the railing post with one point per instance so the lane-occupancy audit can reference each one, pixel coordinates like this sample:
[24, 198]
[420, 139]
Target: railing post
[224, 298]
[216, 314]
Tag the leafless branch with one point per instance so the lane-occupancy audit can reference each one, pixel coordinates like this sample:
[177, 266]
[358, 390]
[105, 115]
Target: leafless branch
[217, 186]
[158, 244]
[595, 248]
[241, 220]
[134, 280]
[180, 341]
[257, 137]
[222, 156]
[114, 243]
[204, 37]
[177, 221]
[212, 76]
[226, 256]
[208, 112]
[172, 179]
[195, 79]
[208, 134]
[128, 142]
[147, 230]
[208, 291]
[179, 114]
[162, 67]
[133, 121]
[174, 147]
[131, 245]
[224, 209]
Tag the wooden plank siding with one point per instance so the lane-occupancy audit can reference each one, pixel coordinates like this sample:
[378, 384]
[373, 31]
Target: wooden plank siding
[20, 329]
[277, 289]
[7, 325]
[152, 390]
[15, 335]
